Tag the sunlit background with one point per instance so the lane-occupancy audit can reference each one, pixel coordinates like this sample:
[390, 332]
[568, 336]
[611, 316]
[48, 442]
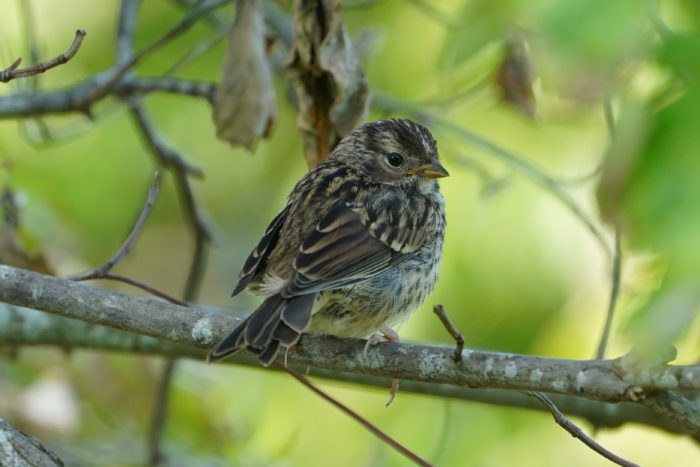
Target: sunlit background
[521, 272]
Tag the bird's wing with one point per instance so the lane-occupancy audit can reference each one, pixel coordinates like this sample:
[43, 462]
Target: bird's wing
[257, 259]
[348, 246]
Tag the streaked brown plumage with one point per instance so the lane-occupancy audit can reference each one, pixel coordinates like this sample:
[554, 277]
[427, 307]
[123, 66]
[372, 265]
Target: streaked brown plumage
[357, 247]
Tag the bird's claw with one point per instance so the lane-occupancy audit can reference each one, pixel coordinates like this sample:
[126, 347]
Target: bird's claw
[393, 390]
[374, 339]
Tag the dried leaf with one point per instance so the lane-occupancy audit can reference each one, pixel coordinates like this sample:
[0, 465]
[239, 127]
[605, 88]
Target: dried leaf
[244, 104]
[327, 77]
[514, 77]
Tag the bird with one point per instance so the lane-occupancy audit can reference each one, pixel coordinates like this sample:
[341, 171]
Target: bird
[355, 250]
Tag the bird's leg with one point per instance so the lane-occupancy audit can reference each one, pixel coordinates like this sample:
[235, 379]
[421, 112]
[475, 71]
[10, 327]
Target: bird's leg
[386, 334]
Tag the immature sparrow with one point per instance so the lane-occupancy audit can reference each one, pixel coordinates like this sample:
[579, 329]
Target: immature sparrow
[356, 249]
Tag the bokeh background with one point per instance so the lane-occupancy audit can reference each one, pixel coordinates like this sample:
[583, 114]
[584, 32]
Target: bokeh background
[521, 273]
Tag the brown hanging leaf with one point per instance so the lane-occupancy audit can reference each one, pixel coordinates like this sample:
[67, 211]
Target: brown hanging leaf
[244, 104]
[514, 77]
[327, 77]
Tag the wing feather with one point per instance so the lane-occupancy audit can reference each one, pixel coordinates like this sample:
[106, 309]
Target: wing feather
[258, 257]
[340, 251]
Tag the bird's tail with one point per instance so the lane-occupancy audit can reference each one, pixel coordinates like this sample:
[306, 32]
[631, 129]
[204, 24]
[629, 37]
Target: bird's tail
[278, 322]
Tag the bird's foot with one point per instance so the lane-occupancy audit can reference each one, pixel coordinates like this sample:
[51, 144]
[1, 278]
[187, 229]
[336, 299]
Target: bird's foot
[386, 334]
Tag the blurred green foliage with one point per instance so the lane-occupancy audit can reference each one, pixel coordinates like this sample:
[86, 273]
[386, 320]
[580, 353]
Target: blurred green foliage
[520, 273]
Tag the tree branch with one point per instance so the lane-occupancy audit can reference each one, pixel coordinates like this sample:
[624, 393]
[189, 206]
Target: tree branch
[22, 326]
[81, 97]
[18, 449]
[593, 379]
[84, 95]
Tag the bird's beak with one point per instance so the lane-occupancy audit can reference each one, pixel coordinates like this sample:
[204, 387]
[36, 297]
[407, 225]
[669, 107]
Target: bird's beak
[433, 170]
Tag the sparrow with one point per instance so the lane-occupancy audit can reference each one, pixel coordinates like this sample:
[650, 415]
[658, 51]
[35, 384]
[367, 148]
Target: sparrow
[356, 249]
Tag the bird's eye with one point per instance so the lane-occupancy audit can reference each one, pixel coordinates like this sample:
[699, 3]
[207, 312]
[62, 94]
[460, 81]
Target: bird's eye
[394, 158]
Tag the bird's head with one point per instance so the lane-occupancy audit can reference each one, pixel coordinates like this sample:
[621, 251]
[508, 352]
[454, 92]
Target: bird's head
[396, 151]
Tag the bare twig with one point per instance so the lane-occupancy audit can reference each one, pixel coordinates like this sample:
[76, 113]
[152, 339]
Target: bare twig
[609, 117]
[89, 92]
[140, 285]
[165, 155]
[29, 27]
[666, 34]
[196, 51]
[216, 20]
[13, 71]
[219, 23]
[144, 85]
[576, 432]
[160, 413]
[428, 8]
[614, 294]
[355, 416]
[100, 272]
[439, 310]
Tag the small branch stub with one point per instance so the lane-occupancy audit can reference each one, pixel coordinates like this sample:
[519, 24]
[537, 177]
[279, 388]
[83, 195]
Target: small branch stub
[439, 310]
[13, 71]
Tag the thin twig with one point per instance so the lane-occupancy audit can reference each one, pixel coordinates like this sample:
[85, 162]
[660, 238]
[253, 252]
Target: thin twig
[428, 8]
[195, 52]
[216, 20]
[614, 294]
[355, 416]
[439, 310]
[576, 432]
[609, 117]
[666, 34]
[166, 156]
[160, 413]
[220, 24]
[13, 71]
[139, 285]
[100, 272]
[29, 27]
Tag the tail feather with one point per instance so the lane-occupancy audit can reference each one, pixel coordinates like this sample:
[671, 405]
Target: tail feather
[277, 322]
[229, 345]
[261, 324]
[286, 335]
[268, 355]
[297, 313]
